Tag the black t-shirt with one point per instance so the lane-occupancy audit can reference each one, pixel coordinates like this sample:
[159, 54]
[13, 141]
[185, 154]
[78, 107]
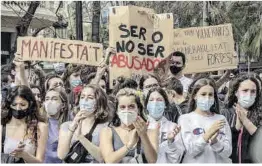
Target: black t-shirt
[184, 106]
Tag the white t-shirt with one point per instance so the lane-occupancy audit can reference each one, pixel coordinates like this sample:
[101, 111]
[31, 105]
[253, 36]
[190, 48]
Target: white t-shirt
[185, 82]
[191, 143]
[193, 126]
[165, 127]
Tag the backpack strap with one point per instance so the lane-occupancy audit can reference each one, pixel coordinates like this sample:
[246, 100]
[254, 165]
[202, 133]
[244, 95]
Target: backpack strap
[89, 134]
[3, 137]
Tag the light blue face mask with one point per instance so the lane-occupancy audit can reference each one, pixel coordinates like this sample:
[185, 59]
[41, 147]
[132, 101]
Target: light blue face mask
[87, 105]
[75, 83]
[246, 101]
[156, 109]
[204, 104]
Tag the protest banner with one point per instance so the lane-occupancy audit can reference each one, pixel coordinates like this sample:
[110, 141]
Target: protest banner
[209, 48]
[59, 50]
[142, 40]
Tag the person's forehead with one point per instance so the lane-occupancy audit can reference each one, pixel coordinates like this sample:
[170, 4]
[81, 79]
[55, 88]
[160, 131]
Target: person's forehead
[52, 93]
[150, 81]
[155, 94]
[247, 84]
[19, 99]
[88, 91]
[206, 88]
[177, 58]
[123, 100]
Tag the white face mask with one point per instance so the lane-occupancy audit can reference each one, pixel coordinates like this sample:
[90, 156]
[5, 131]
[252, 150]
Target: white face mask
[246, 101]
[127, 117]
[51, 108]
[204, 104]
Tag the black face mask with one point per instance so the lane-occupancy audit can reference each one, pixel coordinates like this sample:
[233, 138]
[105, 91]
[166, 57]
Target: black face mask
[19, 114]
[174, 69]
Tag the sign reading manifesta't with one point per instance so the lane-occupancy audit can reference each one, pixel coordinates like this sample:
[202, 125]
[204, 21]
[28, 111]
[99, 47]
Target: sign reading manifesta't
[59, 50]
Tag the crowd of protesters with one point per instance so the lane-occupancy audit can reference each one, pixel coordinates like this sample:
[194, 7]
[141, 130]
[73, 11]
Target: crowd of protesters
[71, 115]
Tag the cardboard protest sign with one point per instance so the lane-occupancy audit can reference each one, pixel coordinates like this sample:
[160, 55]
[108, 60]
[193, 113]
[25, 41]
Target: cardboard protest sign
[59, 50]
[209, 48]
[141, 38]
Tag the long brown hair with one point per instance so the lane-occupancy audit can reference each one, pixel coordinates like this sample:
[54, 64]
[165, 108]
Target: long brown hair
[198, 84]
[34, 115]
[102, 109]
[255, 110]
[64, 110]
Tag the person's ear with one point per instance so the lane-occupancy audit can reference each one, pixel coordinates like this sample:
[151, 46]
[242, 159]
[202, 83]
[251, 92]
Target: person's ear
[195, 97]
[236, 94]
[174, 94]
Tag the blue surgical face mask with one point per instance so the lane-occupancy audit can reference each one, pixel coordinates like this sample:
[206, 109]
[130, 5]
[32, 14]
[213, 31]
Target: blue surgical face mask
[156, 109]
[75, 83]
[204, 104]
[246, 101]
[87, 105]
[59, 67]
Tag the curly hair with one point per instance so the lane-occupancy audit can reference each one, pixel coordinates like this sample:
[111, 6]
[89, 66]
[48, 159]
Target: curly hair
[127, 92]
[196, 86]
[255, 110]
[34, 115]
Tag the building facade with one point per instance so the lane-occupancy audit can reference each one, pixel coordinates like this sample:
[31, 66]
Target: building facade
[12, 12]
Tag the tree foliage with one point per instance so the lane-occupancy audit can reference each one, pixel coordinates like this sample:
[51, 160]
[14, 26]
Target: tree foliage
[245, 17]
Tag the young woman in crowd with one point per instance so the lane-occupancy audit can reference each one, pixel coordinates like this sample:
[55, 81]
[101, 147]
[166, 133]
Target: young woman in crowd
[24, 134]
[127, 139]
[155, 105]
[205, 133]
[53, 81]
[93, 113]
[57, 109]
[147, 82]
[36, 90]
[243, 112]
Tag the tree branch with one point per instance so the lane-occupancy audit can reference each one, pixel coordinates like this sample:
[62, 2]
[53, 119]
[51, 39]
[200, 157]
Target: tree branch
[38, 30]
